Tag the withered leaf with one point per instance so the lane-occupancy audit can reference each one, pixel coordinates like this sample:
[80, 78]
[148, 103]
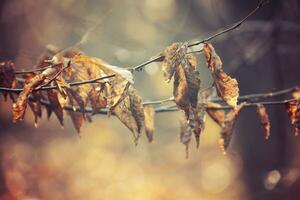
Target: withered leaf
[227, 130]
[37, 111]
[264, 120]
[30, 84]
[149, 121]
[186, 84]
[173, 56]
[7, 77]
[97, 98]
[77, 119]
[86, 68]
[185, 135]
[293, 110]
[227, 87]
[130, 112]
[216, 114]
[55, 106]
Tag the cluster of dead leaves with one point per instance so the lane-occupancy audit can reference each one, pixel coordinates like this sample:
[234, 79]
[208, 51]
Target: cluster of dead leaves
[195, 103]
[111, 88]
[182, 67]
[115, 94]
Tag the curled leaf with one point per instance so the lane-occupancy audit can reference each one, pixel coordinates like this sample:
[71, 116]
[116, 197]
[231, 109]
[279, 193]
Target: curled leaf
[264, 120]
[227, 87]
[30, 84]
[173, 56]
[293, 110]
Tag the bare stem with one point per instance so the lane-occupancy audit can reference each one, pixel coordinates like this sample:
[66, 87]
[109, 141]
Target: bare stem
[17, 90]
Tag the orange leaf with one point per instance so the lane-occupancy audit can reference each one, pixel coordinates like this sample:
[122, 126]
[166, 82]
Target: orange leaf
[264, 120]
[30, 84]
[293, 110]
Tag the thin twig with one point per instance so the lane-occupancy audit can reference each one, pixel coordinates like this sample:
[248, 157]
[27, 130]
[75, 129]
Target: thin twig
[251, 97]
[163, 109]
[54, 77]
[18, 90]
[231, 28]
[235, 26]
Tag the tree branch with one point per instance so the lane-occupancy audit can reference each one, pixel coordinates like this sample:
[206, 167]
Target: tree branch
[72, 84]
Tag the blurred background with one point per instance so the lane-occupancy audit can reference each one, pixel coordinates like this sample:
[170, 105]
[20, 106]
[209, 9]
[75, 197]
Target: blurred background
[51, 162]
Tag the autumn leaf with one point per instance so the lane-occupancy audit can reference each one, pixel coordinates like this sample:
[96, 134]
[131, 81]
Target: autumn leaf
[293, 110]
[77, 119]
[227, 88]
[36, 108]
[186, 84]
[7, 77]
[227, 130]
[97, 98]
[30, 84]
[55, 106]
[86, 68]
[149, 121]
[185, 135]
[131, 113]
[264, 120]
[216, 114]
[173, 56]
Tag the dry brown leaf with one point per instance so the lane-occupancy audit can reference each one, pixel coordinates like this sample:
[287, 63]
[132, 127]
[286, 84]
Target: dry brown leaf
[293, 110]
[173, 56]
[149, 121]
[216, 114]
[185, 135]
[186, 85]
[227, 88]
[86, 68]
[55, 106]
[37, 111]
[264, 120]
[227, 130]
[30, 84]
[77, 119]
[97, 98]
[7, 77]
[130, 112]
